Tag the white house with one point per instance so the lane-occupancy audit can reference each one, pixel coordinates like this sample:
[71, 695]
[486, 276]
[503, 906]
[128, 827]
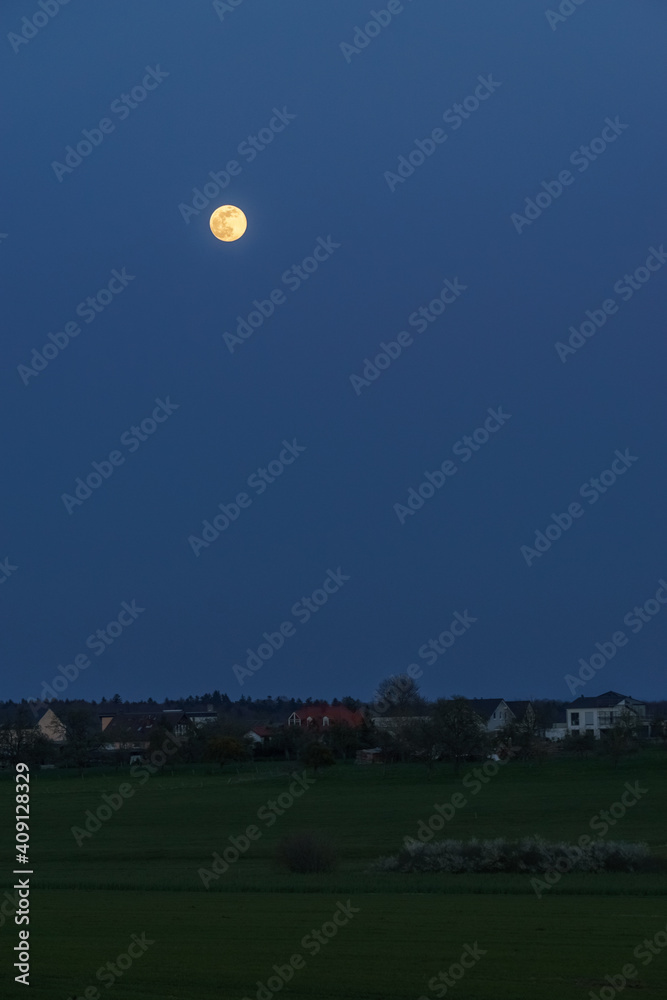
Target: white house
[259, 734]
[597, 715]
[494, 712]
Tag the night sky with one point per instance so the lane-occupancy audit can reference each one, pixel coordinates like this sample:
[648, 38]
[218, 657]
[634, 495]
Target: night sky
[369, 195]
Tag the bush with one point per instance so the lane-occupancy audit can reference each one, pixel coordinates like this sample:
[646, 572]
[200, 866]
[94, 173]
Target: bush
[306, 853]
[316, 756]
[527, 856]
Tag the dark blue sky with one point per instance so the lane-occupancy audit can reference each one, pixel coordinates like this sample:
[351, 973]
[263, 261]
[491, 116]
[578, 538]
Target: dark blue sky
[327, 175]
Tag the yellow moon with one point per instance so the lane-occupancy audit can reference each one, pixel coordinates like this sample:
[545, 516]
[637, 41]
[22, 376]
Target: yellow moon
[228, 223]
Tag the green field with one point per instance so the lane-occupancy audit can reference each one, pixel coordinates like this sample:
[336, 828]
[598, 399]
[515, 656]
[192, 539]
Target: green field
[138, 874]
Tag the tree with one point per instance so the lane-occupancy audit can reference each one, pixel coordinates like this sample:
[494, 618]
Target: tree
[343, 741]
[159, 733]
[82, 740]
[524, 739]
[398, 695]
[316, 756]
[659, 726]
[581, 744]
[21, 740]
[126, 738]
[407, 739]
[460, 731]
[421, 739]
[222, 749]
[290, 741]
[621, 739]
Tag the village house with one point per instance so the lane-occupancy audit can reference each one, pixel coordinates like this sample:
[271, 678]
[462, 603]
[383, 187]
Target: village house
[523, 713]
[51, 726]
[322, 715]
[260, 734]
[132, 730]
[494, 712]
[599, 714]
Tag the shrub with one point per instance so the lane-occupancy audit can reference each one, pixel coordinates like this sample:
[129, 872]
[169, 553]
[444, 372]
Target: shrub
[527, 856]
[317, 756]
[306, 853]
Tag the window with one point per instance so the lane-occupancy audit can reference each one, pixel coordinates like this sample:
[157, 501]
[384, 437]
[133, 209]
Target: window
[574, 718]
[588, 718]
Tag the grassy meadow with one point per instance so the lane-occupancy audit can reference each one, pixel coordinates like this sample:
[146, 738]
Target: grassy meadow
[138, 874]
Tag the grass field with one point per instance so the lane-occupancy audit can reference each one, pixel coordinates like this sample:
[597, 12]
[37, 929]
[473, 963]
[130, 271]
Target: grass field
[138, 874]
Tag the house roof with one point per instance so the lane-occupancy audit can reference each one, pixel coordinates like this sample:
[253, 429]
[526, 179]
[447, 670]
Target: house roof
[335, 713]
[485, 707]
[518, 708]
[607, 700]
[261, 730]
[139, 724]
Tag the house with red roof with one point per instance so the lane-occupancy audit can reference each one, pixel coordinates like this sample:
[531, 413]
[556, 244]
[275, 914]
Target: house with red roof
[322, 715]
[260, 734]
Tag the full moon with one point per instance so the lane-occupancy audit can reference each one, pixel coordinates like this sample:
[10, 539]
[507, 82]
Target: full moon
[228, 223]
